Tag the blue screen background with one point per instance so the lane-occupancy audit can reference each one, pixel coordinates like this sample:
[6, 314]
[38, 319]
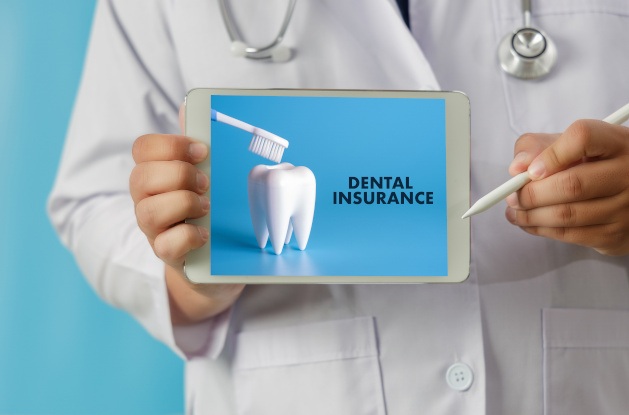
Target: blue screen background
[336, 138]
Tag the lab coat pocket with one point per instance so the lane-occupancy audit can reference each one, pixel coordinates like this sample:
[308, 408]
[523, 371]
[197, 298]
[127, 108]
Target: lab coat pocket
[589, 79]
[586, 361]
[329, 367]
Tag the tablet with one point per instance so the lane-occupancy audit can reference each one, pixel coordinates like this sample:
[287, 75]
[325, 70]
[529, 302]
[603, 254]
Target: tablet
[370, 189]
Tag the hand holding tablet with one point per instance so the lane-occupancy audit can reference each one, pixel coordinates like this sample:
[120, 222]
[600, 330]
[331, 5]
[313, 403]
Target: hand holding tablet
[372, 189]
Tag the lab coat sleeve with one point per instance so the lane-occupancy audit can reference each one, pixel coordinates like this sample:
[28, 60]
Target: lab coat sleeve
[131, 86]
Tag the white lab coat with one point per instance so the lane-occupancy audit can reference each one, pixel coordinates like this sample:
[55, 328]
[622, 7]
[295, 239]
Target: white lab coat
[543, 326]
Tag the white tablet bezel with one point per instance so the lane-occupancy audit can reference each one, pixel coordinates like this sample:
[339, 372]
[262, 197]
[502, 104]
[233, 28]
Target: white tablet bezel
[457, 108]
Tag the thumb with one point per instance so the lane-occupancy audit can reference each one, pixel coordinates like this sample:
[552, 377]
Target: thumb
[584, 139]
[182, 118]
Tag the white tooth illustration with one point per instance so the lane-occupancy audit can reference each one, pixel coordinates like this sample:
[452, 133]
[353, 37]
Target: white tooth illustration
[281, 200]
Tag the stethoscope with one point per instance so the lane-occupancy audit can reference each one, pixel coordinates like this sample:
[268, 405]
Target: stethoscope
[273, 51]
[527, 53]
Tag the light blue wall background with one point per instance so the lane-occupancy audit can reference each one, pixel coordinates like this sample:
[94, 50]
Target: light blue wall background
[62, 350]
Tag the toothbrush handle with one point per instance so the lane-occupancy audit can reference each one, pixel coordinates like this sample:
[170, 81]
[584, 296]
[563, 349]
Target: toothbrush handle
[226, 119]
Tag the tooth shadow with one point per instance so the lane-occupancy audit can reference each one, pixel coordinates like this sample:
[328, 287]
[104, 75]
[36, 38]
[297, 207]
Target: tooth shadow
[229, 238]
[234, 239]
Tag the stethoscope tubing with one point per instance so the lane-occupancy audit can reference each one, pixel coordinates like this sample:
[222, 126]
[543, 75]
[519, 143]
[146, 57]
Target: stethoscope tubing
[512, 61]
[263, 52]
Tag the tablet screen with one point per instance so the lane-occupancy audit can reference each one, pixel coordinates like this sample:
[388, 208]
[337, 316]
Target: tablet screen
[373, 170]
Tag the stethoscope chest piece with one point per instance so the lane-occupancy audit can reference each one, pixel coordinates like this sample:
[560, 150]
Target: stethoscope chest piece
[527, 53]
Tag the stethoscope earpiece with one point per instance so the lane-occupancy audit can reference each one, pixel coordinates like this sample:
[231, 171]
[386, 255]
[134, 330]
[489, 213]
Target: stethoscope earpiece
[278, 54]
[281, 54]
[238, 49]
[527, 53]
[274, 51]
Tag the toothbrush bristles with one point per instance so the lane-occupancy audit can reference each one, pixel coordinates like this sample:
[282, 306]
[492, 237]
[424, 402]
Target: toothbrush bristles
[266, 148]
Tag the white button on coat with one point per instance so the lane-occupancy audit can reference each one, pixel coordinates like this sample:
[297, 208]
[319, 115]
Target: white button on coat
[460, 377]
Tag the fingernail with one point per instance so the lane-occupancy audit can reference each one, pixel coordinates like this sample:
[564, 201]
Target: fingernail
[203, 182]
[205, 234]
[510, 215]
[536, 169]
[512, 200]
[205, 202]
[518, 160]
[197, 151]
[521, 156]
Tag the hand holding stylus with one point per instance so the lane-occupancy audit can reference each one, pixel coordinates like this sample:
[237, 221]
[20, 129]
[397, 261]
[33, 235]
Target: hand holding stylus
[517, 182]
[579, 191]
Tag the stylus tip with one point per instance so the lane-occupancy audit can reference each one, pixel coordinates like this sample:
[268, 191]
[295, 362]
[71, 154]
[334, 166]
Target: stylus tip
[469, 213]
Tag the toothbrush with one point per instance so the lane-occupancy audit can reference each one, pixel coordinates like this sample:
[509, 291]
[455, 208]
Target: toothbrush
[263, 143]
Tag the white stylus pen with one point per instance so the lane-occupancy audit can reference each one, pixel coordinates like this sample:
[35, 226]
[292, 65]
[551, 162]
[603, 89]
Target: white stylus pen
[517, 182]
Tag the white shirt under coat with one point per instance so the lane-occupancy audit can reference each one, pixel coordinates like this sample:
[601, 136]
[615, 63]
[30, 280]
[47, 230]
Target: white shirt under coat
[543, 326]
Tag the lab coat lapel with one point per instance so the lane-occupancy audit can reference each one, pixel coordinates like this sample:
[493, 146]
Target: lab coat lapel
[380, 30]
